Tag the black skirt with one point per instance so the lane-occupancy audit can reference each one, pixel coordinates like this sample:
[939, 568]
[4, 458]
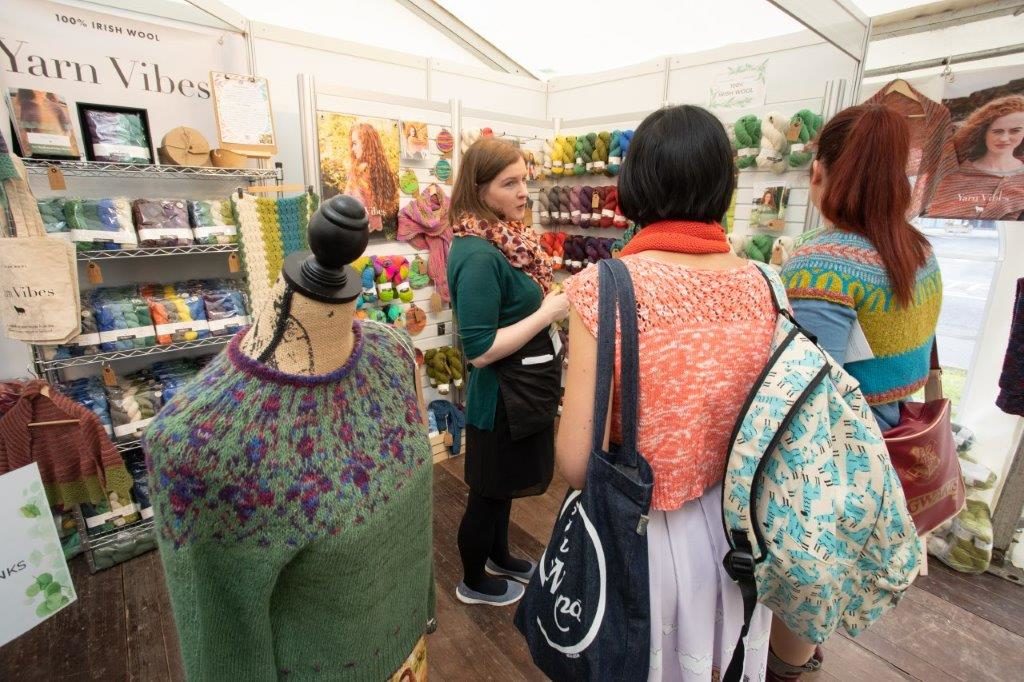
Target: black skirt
[501, 468]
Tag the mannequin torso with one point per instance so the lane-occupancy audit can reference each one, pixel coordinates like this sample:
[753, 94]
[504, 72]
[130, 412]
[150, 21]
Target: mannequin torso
[297, 335]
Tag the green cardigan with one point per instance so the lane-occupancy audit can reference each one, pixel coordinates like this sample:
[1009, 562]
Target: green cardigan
[487, 294]
[293, 516]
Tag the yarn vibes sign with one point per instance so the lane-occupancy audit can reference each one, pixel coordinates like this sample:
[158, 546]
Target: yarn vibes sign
[88, 56]
[740, 86]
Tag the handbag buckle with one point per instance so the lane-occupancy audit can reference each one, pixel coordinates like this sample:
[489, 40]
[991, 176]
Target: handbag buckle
[739, 564]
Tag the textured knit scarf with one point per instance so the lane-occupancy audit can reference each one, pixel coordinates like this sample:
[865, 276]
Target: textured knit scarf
[424, 224]
[679, 236]
[518, 243]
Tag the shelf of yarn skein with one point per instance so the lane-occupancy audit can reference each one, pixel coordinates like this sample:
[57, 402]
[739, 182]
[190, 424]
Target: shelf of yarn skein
[151, 251]
[131, 170]
[96, 358]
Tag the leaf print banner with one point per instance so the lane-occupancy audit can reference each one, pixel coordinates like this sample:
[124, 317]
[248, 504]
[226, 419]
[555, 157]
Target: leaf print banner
[34, 578]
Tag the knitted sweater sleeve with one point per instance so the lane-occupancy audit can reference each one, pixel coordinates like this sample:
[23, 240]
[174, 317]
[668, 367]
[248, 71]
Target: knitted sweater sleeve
[476, 280]
[223, 615]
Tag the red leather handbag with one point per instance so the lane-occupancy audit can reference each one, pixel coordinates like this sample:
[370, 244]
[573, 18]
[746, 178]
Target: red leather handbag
[923, 452]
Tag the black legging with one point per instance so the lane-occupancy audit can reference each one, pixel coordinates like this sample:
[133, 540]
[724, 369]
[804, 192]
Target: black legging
[483, 534]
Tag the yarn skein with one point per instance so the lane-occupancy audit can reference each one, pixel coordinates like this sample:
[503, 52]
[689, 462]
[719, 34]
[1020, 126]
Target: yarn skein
[544, 203]
[592, 155]
[583, 153]
[586, 202]
[565, 206]
[748, 141]
[575, 204]
[601, 152]
[597, 206]
[558, 156]
[759, 247]
[773, 142]
[615, 152]
[804, 126]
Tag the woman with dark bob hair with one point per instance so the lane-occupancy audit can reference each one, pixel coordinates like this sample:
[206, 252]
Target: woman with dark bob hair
[695, 299]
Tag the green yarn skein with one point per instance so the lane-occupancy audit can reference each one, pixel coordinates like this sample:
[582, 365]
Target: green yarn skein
[759, 247]
[593, 157]
[601, 153]
[584, 155]
[748, 137]
[615, 152]
[810, 124]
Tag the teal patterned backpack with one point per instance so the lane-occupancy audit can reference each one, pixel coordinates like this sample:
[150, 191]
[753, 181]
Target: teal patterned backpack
[817, 523]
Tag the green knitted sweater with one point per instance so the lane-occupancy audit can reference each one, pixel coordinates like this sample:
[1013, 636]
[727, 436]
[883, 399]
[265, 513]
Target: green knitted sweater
[293, 515]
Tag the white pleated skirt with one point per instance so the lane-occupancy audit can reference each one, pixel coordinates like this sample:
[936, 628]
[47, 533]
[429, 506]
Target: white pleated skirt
[696, 610]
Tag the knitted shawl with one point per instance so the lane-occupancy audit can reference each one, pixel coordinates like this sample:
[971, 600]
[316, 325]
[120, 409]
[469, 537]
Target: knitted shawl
[519, 244]
[424, 224]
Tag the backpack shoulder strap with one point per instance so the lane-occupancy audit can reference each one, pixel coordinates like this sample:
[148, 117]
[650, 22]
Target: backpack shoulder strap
[776, 286]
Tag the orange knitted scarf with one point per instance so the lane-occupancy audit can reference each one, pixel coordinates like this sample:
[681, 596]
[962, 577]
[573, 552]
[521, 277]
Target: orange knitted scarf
[679, 236]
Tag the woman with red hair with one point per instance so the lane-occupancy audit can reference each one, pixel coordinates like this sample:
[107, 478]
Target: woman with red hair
[371, 179]
[989, 183]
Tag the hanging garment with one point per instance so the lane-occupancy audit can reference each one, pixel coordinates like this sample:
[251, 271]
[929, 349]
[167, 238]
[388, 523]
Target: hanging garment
[77, 461]
[971, 192]
[932, 154]
[451, 418]
[1011, 382]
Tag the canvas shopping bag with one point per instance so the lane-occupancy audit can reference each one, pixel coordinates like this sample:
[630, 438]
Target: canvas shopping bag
[39, 296]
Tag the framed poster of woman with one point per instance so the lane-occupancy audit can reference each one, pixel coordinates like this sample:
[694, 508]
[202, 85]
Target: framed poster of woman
[989, 181]
[359, 157]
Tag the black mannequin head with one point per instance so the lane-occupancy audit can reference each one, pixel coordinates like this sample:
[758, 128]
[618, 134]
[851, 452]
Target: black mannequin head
[338, 234]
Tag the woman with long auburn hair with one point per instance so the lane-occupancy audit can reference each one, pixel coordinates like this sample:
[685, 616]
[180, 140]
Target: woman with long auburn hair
[371, 179]
[868, 286]
[989, 184]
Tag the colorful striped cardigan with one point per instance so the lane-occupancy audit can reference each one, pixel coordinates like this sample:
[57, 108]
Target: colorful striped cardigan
[844, 268]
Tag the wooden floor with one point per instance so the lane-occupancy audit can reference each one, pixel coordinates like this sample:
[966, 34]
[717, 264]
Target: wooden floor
[950, 627]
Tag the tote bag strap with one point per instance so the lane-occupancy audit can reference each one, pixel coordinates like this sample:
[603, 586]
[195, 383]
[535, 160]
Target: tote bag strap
[615, 290]
[933, 387]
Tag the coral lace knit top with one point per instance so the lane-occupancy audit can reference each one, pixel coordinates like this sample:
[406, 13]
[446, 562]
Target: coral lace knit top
[704, 339]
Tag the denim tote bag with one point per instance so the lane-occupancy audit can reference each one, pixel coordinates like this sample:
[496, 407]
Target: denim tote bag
[586, 611]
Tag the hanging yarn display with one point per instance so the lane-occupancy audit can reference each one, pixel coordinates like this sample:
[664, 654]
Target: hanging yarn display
[548, 160]
[583, 155]
[409, 183]
[615, 152]
[803, 127]
[747, 130]
[591, 152]
[575, 205]
[269, 230]
[443, 170]
[445, 142]
[758, 247]
[772, 154]
[592, 203]
[601, 149]
[544, 207]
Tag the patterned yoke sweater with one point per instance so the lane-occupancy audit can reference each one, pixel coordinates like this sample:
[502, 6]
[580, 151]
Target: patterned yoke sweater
[293, 515]
[845, 269]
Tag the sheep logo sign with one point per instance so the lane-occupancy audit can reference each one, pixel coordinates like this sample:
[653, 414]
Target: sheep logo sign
[585, 614]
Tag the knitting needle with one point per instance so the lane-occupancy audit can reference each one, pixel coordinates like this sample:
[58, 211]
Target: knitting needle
[55, 422]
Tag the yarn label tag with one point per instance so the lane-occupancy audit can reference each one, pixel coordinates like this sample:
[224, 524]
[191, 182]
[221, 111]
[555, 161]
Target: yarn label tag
[132, 428]
[796, 148]
[124, 236]
[189, 326]
[595, 203]
[129, 334]
[599, 165]
[747, 151]
[94, 273]
[232, 323]
[180, 234]
[91, 339]
[234, 264]
[614, 160]
[590, 166]
[555, 163]
[215, 231]
[109, 378]
[56, 177]
[608, 213]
